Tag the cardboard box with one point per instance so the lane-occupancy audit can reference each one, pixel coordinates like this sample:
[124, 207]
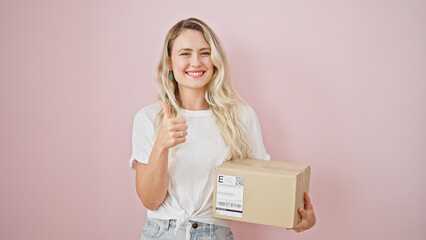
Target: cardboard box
[258, 191]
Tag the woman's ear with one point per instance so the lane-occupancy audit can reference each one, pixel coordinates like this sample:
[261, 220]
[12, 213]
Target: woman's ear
[169, 63]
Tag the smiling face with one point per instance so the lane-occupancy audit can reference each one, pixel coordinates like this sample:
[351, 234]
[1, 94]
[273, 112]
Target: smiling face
[190, 61]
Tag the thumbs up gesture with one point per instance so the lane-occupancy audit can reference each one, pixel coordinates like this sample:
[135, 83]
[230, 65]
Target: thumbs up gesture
[172, 131]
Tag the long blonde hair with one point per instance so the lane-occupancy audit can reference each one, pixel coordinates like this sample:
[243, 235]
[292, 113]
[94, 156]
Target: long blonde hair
[220, 95]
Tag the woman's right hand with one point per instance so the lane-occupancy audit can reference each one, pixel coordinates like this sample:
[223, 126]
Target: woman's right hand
[172, 131]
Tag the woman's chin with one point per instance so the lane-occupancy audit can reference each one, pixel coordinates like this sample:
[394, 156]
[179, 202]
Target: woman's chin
[193, 84]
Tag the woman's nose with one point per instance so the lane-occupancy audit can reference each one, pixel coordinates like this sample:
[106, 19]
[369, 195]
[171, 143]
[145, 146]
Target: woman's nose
[195, 60]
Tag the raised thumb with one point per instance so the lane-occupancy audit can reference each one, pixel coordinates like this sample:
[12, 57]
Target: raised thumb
[166, 110]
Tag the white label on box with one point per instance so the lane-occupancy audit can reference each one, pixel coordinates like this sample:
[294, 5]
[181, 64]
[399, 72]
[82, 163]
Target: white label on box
[229, 195]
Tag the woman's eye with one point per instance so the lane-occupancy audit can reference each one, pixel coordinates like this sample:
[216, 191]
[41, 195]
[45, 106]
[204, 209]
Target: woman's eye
[184, 54]
[205, 53]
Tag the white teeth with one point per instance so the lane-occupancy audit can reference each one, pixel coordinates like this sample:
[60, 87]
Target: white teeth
[195, 73]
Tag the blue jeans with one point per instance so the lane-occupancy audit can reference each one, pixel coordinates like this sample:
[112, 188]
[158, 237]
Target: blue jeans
[165, 230]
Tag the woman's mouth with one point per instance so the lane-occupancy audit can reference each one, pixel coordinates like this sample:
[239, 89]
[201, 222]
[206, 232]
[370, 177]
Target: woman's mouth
[195, 74]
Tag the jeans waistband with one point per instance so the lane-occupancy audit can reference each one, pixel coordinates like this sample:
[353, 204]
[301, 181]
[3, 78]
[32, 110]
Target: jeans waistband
[171, 224]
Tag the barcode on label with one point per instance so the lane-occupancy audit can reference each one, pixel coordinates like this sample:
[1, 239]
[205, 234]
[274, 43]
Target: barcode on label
[228, 204]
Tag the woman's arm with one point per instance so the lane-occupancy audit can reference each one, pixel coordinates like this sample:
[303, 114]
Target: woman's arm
[152, 178]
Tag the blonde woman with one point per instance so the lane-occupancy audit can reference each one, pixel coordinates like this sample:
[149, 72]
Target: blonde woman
[199, 122]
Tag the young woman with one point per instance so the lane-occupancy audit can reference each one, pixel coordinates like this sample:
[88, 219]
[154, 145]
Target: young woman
[199, 122]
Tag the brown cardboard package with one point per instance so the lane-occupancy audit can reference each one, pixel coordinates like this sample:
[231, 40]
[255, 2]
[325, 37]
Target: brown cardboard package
[258, 191]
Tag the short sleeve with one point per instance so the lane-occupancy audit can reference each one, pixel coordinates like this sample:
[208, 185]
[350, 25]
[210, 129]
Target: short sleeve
[253, 133]
[142, 136]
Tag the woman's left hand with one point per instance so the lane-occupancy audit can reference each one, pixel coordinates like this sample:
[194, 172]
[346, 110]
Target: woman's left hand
[308, 216]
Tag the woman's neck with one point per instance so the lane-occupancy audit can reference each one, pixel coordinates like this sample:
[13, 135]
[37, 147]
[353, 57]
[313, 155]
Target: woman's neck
[193, 100]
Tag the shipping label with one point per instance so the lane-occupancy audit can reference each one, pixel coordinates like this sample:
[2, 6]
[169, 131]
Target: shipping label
[229, 195]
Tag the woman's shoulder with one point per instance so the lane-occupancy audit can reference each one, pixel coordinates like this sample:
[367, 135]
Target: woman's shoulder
[246, 113]
[149, 111]
[245, 110]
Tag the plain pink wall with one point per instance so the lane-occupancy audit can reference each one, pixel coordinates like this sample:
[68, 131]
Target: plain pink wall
[340, 85]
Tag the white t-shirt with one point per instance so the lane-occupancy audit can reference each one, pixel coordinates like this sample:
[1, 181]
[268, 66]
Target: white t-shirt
[191, 182]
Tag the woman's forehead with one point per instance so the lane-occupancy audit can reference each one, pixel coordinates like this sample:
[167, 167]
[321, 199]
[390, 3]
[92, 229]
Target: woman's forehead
[190, 39]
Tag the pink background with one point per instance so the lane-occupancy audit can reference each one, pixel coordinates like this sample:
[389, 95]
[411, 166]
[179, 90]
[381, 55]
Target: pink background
[340, 85]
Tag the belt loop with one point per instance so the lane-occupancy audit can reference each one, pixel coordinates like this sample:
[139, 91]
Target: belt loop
[211, 230]
[168, 224]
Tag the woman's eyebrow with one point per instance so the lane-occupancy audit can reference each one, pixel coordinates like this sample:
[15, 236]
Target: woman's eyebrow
[189, 49]
[185, 49]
